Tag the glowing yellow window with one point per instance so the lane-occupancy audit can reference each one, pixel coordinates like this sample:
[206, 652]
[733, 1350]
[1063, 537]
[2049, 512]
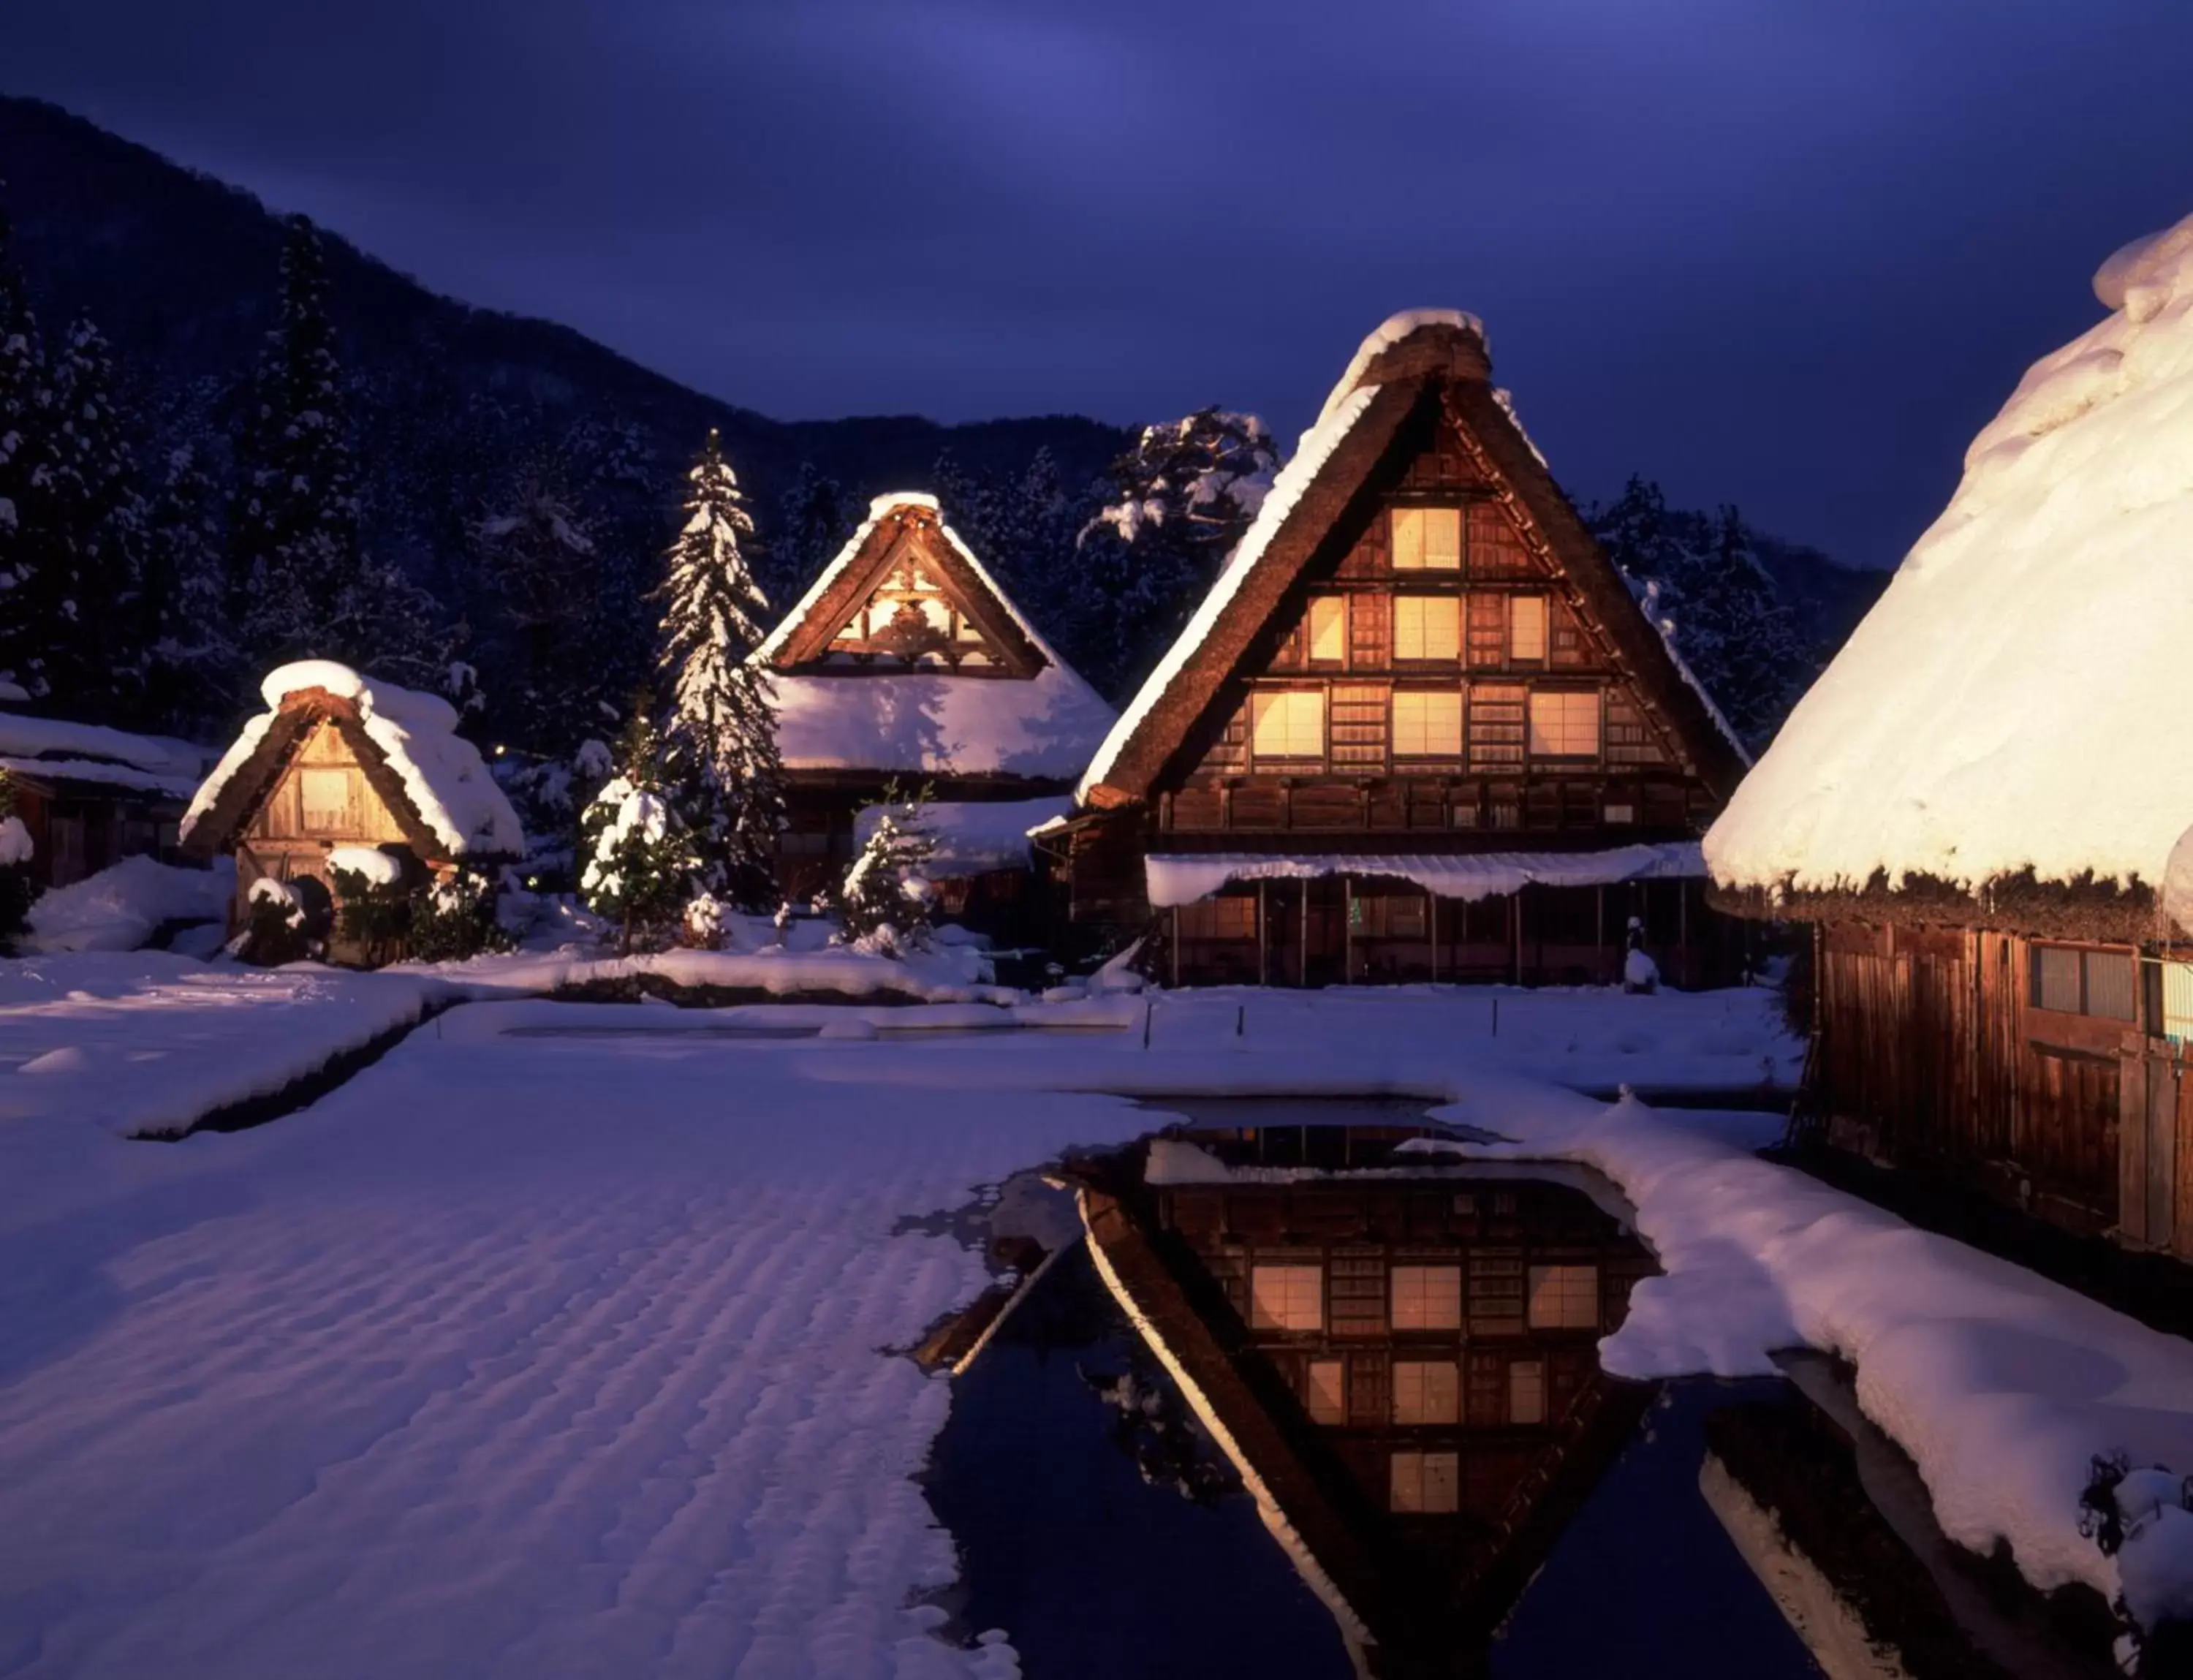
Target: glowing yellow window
[1328, 1392]
[1526, 627]
[1427, 1297]
[1427, 626]
[1427, 1483]
[1288, 723]
[1426, 1391]
[1286, 1297]
[1428, 539]
[1564, 1298]
[1565, 724]
[1328, 628]
[1526, 1391]
[1427, 724]
[325, 795]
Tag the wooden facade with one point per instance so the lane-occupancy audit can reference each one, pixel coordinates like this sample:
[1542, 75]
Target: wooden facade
[2045, 1070]
[78, 827]
[905, 601]
[1405, 1365]
[1429, 657]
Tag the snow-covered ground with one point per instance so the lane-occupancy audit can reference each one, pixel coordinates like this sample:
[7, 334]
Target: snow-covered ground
[560, 1341]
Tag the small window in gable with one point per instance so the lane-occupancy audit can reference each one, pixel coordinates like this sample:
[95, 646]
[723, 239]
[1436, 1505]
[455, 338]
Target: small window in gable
[1288, 723]
[1430, 1483]
[1526, 628]
[1286, 1297]
[1328, 1392]
[1565, 724]
[1427, 626]
[324, 795]
[1328, 629]
[1428, 724]
[1428, 539]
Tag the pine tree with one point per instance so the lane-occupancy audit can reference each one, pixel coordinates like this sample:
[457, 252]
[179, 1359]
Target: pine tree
[638, 859]
[814, 519]
[883, 903]
[1183, 497]
[193, 676]
[294, 526]
[25, 400]
[537, 556]
[722, 727]
[93, 518]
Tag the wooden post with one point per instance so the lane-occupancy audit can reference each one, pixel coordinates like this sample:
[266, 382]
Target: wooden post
[1347, 929]
[1263, 957]
[1301, 963]
[1518, 896]
[1174, 914]
[1431, 927]
[1599, 928]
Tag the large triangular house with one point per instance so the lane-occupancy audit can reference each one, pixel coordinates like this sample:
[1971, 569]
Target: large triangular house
[906, 662]
[1985, 804]
[1419, 728]
[341, 770]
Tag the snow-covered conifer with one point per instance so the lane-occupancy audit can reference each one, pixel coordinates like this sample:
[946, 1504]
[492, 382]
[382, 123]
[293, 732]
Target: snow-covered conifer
[637, 856]
[91, 533]
[538, 561]
[721, 730]
[883, 903]
[1181, 499]
[193, 668]
[26, 398]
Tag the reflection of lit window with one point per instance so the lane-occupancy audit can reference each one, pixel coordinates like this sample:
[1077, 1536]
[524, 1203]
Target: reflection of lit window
[325, 795]
[1426, 1481]
[1288, 723]
[1526, 1391]
[1328, 628]
[1427, 626]
[1564, 1297]
[1428, 539]
[1427, 1297]
[1426, 1391]
[1286, 1297]
[1328, 1392]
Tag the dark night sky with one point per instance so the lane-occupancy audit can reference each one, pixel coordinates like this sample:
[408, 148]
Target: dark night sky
[1789, 253]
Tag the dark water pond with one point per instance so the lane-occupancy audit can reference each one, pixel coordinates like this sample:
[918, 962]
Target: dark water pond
[1404, 1368]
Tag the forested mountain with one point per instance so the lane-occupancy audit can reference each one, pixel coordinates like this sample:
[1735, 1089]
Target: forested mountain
[239, 438]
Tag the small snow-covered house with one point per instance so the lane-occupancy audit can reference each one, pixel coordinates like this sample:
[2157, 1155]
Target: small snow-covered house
[89, 796]
[1419, 728]
[905, 662]
[1985, 805]
[350, 771]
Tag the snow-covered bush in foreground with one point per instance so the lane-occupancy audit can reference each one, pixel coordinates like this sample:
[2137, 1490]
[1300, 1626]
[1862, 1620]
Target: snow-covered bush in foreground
[17, 889]
[457, 919]
[637, 856]
[883, 904]
[277, 926]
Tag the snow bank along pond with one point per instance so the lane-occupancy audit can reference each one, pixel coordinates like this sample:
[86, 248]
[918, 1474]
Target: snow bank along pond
[1278, 1400]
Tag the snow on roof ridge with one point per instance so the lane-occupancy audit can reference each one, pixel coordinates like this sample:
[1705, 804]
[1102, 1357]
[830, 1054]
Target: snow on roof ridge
[443, 773]
[2004, 705]
[1394, 329]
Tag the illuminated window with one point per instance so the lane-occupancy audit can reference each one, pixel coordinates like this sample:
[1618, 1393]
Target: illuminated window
[1427, 626]
[1526, 627]
[1426, 1391]
[1428, 539]
[1426, 724]
[1328, 628]
[1427, 1297]
[1622, 811]
[1328, 1392]
[1288, 723]
[1286, 1297]
[1564, 1298]
[325, 796]
[1427, 1483]
[1526, 1391]
[1565, 724]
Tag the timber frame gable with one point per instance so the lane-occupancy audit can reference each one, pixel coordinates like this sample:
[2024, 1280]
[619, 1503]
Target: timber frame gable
[1429, 398]
[903, 595]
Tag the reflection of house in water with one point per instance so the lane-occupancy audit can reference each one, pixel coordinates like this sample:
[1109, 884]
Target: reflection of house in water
[1401, 1359]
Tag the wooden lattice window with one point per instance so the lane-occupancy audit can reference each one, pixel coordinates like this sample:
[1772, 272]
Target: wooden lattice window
[324, 796]
[1426, 1391]
[1428, 724]
[1425, 1483]
[1328, 629]
[1427, 1297]
[1326, 1391]
[1288, 723]
[1565, 723]
[1427, 539]
[1564, 1297]
[1526, 1391]
[1527, 629]
[1427, 626]
[1286, 1297]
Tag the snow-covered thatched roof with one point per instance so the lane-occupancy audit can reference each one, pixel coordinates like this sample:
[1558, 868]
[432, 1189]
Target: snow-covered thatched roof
[56, 750]
[436, 781]
[2013, 703]
[928, 723]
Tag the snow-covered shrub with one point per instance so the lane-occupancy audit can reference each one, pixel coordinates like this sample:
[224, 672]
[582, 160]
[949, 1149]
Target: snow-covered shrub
[883, 904]
[17, 889]
[703, 925]
[373, 902]
[276, 927]
[636, 857]
[457, 918]
[1639, 973]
